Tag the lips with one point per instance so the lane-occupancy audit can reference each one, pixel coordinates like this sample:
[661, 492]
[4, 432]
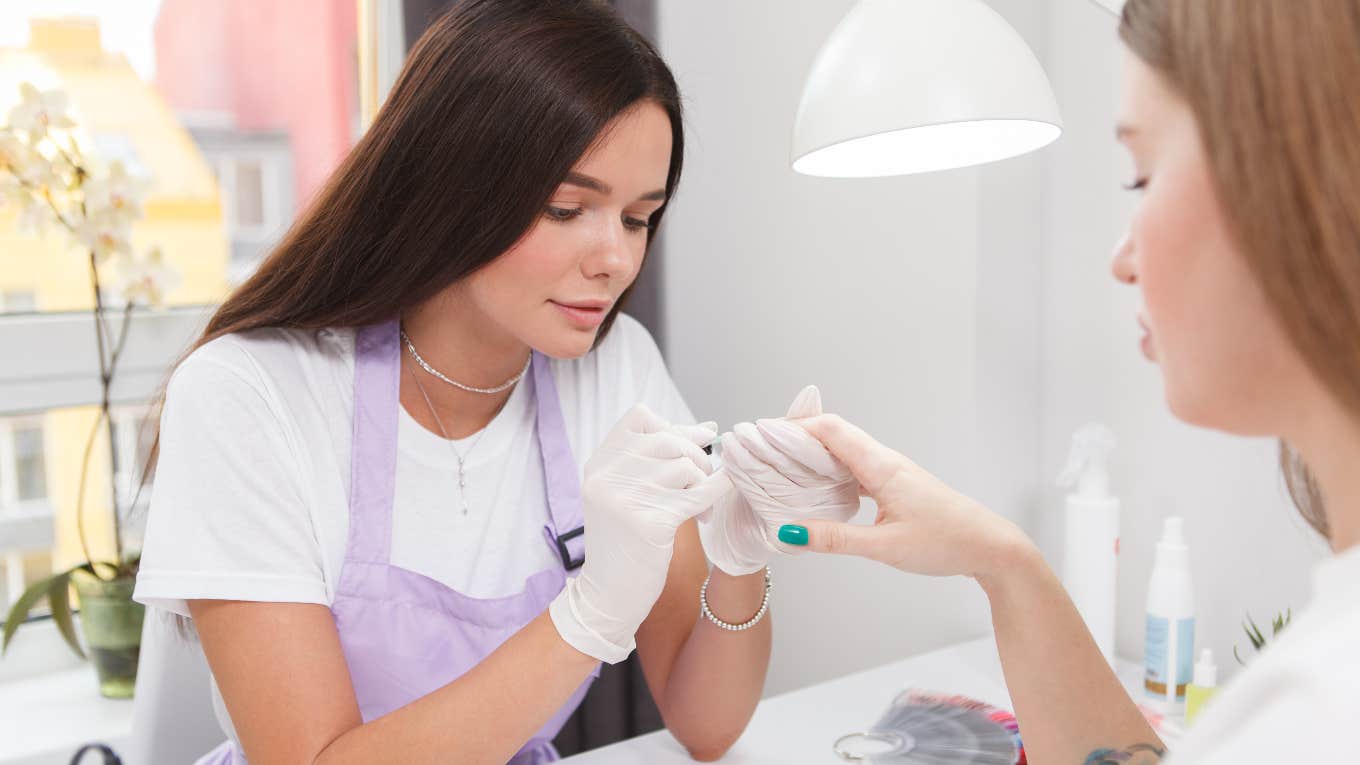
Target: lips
[587, 305]
[1145, 343]
[584, 314]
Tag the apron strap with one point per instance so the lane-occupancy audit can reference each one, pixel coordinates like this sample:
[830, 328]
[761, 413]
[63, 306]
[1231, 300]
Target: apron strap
[373, 450]
[565, 529]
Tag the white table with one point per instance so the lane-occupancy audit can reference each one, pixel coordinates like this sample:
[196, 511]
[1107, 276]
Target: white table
[801, 726]
[43, 720]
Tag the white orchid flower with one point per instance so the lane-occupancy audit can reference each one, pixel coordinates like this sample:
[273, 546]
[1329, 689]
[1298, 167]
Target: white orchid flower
[145, 280]
[116, 194]
[34, 216]
[13, 153]
[39, 111]
[11, 192]
[25, 163]
[105, 236]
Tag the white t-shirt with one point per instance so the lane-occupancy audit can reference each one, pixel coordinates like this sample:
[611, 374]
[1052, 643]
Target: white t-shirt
[1299, 701]
[251, 498]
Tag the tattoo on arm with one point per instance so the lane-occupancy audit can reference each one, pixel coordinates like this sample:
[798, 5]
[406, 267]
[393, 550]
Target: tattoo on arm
[1133, 754]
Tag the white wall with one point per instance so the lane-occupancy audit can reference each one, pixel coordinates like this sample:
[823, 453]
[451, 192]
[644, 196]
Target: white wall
[967, 318]
[911, 301]
[1249, 552]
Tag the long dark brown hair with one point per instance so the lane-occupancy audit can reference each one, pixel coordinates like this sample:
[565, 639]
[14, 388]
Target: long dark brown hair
[1272, 87]
[495, 104]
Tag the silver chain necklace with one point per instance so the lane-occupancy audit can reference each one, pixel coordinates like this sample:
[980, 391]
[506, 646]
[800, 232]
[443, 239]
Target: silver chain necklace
[462, 475]
[411, 348]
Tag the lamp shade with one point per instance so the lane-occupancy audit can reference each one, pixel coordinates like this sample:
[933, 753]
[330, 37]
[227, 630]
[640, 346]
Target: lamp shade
[913, 86]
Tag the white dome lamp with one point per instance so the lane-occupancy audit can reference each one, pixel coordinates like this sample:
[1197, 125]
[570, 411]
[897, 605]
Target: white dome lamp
[913, 86]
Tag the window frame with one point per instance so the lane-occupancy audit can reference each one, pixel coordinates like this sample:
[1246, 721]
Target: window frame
[272, 172]
[50, 379]
[47, 380]
[10, 479]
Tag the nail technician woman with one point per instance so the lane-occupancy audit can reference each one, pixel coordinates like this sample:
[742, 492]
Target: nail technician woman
[1243, 120]
[368, 497]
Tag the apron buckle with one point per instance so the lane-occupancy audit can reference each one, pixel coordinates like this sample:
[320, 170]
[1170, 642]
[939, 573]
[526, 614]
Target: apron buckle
[568, 562]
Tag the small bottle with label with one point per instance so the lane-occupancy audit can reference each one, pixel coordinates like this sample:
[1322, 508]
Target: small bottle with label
[1203, 687]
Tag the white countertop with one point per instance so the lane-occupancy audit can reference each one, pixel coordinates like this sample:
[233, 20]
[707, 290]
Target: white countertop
[45, 719]
[801, 726]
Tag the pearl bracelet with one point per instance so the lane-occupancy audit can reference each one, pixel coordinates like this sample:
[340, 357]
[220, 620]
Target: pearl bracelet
[748, 624]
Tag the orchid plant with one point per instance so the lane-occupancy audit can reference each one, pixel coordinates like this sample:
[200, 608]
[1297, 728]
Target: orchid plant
[51, 182]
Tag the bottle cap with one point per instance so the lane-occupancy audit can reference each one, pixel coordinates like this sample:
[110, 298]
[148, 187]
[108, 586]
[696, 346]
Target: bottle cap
[1173, 534]
[1087, 463]
[1206, 672]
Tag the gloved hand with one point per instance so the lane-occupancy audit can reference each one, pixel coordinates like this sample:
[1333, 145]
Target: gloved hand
[646, 479]
[782, 475]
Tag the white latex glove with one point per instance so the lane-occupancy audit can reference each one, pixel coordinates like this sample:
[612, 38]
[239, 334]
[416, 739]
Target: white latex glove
[646, 479]
[782, 475]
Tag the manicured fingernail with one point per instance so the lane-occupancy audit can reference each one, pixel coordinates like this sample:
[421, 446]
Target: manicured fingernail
[793, 535]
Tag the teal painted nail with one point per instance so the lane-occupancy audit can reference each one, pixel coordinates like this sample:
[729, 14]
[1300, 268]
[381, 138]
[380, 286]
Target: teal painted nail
[793, 535]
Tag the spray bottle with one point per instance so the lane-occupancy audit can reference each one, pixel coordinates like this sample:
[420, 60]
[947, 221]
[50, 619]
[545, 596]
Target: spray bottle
[1168, 652]
[1091, 547]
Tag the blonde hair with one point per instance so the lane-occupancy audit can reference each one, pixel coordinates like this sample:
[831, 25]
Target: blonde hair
[1273, 86]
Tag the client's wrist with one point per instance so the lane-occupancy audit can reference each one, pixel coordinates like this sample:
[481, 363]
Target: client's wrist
[1012, 557]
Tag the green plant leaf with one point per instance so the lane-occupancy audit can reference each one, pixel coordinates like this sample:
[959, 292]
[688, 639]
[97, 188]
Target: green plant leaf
[1257, 639]
[19, 611]
[59, 595]
[89, 568]
[1282, 621]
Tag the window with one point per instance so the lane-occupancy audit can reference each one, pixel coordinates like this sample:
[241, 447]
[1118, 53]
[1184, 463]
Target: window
[18, 301]
[26, 531]
[249, 193]
[23, 461]
[133, 436]
[207, 128]
[252, 170]
[40, 454]
[30, 463]
[255, 172]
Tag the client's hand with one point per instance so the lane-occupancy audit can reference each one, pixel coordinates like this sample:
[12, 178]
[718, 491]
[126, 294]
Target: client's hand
[782, 475]
[923, 526]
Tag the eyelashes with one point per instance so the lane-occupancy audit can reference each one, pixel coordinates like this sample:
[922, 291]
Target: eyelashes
[567, 214]
[561, 214]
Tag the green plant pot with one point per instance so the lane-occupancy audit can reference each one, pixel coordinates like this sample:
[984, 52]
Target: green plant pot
[112, 624]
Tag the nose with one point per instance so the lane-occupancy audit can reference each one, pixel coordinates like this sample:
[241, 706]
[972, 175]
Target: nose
[611, 257]
[1123, 267]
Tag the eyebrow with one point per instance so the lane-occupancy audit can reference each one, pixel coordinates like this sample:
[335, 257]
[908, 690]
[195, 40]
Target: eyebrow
[595, 184]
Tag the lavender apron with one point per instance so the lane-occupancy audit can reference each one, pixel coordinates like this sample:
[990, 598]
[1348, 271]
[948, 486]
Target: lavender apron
[406, 635]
